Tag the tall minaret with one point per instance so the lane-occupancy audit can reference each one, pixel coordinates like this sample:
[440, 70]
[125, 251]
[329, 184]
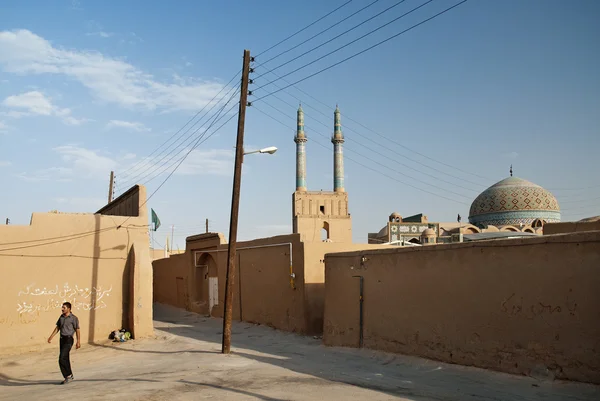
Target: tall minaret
[338, 153]
[300, 140]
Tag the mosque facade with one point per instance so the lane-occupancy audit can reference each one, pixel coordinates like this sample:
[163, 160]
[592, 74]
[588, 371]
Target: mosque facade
[512, 207]
[321, 215]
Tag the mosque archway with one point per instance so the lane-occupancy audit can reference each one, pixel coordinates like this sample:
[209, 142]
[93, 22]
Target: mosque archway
[325, 231]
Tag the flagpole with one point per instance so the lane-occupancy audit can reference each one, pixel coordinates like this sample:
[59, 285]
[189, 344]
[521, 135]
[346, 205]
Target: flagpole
[152, 235]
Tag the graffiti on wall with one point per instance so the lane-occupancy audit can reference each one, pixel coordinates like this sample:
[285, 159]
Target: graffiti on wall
[513, 305]
[33, 300]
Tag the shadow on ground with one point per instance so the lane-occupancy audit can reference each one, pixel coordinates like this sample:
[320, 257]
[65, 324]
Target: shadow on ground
[8, 381]
[414, 378]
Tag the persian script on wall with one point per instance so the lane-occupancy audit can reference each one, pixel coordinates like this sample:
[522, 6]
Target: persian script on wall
[34, 299]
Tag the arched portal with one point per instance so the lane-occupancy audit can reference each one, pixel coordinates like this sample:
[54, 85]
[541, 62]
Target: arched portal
[205, 291]
[325, 231]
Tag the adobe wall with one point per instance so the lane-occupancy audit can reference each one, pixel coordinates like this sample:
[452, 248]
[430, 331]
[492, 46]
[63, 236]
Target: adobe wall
[523, 306]
[104, 271]
[263, 292]
[169, 275]
[571, 227]
[314, 276]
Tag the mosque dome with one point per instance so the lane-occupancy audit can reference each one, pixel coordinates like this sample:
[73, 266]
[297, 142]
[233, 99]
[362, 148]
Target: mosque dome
[514, 201]
[428, 232]
[395, 217]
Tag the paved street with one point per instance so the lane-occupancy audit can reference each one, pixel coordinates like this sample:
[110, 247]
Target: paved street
[183, 363]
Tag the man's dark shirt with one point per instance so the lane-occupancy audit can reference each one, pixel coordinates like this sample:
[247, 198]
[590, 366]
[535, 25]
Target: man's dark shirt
[67, 325]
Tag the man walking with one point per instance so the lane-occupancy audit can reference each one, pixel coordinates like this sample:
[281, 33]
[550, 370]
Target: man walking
[67, 325]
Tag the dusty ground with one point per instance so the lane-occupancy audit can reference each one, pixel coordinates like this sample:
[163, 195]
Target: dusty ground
[183, 363]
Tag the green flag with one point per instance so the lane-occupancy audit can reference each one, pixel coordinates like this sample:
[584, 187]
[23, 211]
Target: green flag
[155, 220]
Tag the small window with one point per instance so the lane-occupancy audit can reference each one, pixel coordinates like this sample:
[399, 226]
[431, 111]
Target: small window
[322, 209]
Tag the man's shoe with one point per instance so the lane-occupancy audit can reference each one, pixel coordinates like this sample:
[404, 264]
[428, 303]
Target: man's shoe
[67, 379]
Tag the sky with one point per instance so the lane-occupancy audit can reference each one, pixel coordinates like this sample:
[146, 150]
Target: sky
[431, 117]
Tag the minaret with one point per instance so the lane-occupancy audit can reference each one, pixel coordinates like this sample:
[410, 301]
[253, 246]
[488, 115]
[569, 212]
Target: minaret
[338, 153]
[300, 140]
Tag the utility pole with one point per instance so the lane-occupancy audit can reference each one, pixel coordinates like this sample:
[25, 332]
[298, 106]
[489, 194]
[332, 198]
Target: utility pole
[110, 186]
[207, 226]
[235, 205]
[7, 221]
[172, 232]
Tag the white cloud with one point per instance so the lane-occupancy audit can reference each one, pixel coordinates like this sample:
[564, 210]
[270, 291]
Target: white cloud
[76, 5]
[129, 156]
[36, 103]
[87, 163]
[128, 125]
[79, 163]
[47, 174]
[511, 155]
[14, 114]
[3, 127]
[208, 162]
[5, 163]
[101, 34]
[108, 79]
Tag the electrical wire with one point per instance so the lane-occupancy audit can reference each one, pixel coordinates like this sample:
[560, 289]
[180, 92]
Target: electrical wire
[55, 240]
[188, 139]
[340, 35]
[388, 139]
[184, 142]
[216, 118]
[377, 162]
[316, 35]
[303, 29]
[126, 174]
[360, 52]
[369, 168]
[387, 148]
[198, 143]
[66, 238]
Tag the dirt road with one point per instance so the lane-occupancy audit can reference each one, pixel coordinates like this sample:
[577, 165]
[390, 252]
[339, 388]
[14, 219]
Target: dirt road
[184, 362]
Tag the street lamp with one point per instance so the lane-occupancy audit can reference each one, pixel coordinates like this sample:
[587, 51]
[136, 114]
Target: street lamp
[270, 150]
[232, 245]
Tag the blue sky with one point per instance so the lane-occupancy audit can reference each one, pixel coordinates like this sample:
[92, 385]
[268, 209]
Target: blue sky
[433, 116]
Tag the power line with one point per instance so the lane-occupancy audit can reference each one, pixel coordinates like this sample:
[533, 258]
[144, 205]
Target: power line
[346, 117]
[198, 142]
[377, 162]
[67, 238]
[370, 168]
[303, 29]
[125, 173]
[175, 152]
[216, 119]
[574, 189]
[387, 148]
[184, 141]
[318, 34]
[581, 200]
[59, 237]
[338, 36]
[361, 52]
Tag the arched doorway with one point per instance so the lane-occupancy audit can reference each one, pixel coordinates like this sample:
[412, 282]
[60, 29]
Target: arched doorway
[205, 284]
[325, 231]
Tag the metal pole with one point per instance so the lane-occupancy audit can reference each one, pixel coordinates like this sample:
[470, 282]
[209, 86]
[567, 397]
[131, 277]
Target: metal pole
[235, 203]
[360, 311]
[172, 233]
[207, 226]
[110, 186]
